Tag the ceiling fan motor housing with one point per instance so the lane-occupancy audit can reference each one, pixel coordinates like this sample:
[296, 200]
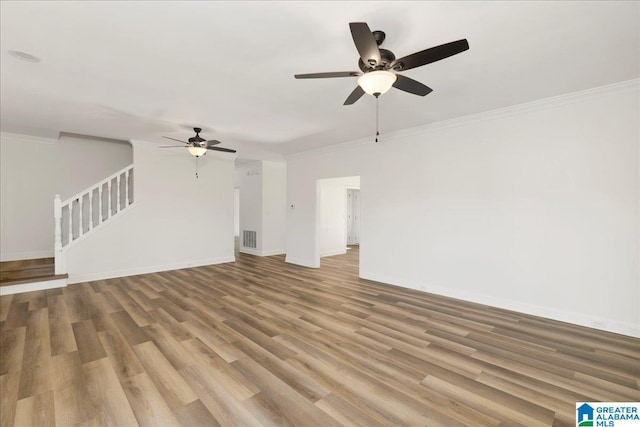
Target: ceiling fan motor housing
[197, 138]
[386, 58]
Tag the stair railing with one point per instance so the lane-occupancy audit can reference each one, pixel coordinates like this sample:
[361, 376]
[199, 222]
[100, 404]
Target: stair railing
[82, 213]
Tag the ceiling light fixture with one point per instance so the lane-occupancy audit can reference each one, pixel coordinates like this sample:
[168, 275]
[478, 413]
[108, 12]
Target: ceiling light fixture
[377, 83]
[24, 56]
[197, 151]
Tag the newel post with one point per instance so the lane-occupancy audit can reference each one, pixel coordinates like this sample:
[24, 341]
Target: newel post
[60, 256]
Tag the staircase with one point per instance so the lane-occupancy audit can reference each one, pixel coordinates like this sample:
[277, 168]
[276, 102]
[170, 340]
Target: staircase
[75, 219]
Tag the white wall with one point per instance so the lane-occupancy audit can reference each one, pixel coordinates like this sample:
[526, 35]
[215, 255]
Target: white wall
[248, 178]
[33, 170]
[263, 205]
[177, 220]
[236, 212]
[533, 208]
[274, 207]
[332, 195]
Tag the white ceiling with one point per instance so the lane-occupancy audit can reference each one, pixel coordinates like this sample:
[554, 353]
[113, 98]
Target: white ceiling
[140, 70]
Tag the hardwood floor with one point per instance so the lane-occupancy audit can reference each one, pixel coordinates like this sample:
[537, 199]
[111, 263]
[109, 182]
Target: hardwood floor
[261, 342]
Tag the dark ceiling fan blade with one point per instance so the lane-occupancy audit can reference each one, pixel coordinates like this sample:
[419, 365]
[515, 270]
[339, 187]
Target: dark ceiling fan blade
[213, 142]
[226, 150]
[430, 55]
[365, 43]
[328, 75]
[175, 139]
[354, 96]
[174, 146]
[412, 86]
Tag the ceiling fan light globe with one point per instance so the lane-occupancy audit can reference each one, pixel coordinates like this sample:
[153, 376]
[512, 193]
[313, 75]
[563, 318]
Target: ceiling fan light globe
[377, 82]
[197, 151]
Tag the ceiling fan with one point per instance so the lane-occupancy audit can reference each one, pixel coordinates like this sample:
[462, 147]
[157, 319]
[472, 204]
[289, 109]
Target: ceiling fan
[197, 145]
[379, 67]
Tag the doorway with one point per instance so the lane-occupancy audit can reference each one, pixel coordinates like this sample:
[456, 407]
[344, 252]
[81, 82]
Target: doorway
[338, 217]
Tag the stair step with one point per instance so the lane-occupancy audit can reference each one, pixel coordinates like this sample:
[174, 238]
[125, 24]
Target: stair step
[30, 273]
[25, 263]
[33, 284]
[43, 278]
[31, 269]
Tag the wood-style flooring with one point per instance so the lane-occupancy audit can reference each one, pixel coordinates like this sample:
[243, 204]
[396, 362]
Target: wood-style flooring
[261, 342]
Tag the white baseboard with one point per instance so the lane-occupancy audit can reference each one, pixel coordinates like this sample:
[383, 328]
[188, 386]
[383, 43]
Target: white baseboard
[333, 252]
[581, 319]
[79, 278]
[250, 251]
[34, 286]
[256, 252]
[17, 256]
[274, 252]
[302, 262]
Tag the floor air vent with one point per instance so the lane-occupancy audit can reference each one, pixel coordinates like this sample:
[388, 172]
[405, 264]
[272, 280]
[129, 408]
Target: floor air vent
[248, 239]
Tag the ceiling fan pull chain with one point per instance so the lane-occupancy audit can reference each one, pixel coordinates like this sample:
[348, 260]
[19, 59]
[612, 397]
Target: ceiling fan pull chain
[197, 168]
[377, 117]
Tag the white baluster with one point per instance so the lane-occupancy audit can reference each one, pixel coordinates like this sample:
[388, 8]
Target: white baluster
[130, 186]
[70, 222]
[126, 189]
[80, 216]
[99, 205]
[109, 199]
[118, 191]
[90, 210]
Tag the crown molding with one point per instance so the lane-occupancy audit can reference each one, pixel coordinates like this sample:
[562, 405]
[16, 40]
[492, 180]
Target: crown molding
[18, 137]
[499, 113]
[142, 143]
[330, 148]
